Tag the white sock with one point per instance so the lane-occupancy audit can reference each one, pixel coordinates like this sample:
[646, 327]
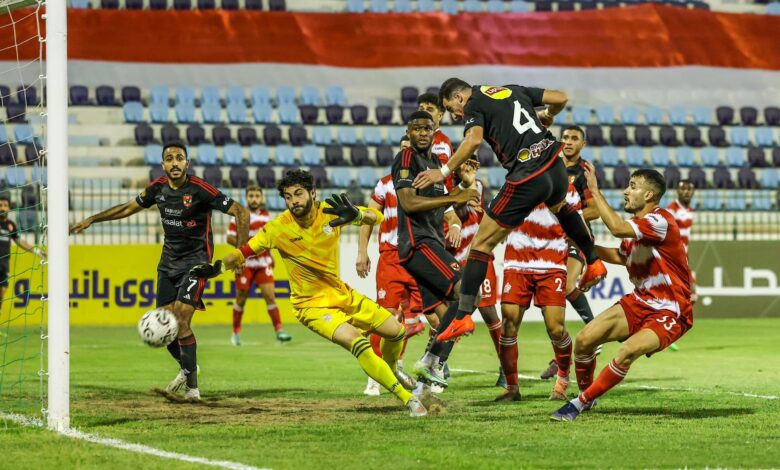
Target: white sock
[430, 359]
[577, 404]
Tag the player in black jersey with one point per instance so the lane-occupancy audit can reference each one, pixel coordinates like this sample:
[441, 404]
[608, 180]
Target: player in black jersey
[505, 117]
[9, 232]
[185, 204]
[421, 236]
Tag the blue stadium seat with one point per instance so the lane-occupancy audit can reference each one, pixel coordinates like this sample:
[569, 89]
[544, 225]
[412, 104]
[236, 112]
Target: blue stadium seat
[335, 95]
[237, 114]
[609, 156]
[185, 95]
[159, 94]
[340, 177]
[153, 154]
[495, 6]
[373, 136]
[285, 155]
[311, 155]
[355, 6]
[588, 154]
[629, 114]
[258, 155]
[321, 135]
[425, 6]
[711, 201]
[3, 134]
[402, 6]
[24, 134]
[472, 6]
[233, 155]
[185, 113]
[259, 95]
[212, 114]
[133, 111]
[449, 7]
[765, 137]
[367, 177]
[702, 115]
[519, 6]
[580, 114]
[207, 155]
[614, 198]
[735, 157]
[263, 113]
[762, 200]
[653, 115]
[605, 114]
[678, 115]
[209, 95]
[378, 6]
[80, 4]
[40, 174]
[289, 114]
[739, 136]
[773, 8]
[769, 178]
[736, 200]
[235, 94]
[285, 95]
[395, 133]
[659, 156]
[684, 156]
[15, 177]
[347, 136]
[275, 202]
[159, 113]
[635, 156]
[496, 177]
[310, 95]
[710, 157]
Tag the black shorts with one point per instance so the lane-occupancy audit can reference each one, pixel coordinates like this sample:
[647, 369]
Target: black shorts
[3, 275]
[577, 254]
[436, 272]
[515, 201]
[182, 287]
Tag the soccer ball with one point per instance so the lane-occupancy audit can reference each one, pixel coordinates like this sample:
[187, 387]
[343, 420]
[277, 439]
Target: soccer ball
[158, 327]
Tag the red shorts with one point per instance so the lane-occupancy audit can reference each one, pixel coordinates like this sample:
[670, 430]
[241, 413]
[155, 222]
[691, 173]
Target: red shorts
[488, 290]
[547, 289]
[394, 284]
[255, 276]
[664, 323]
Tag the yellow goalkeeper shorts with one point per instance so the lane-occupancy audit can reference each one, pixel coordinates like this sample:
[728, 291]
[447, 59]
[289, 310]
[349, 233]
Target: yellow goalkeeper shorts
[359, 311]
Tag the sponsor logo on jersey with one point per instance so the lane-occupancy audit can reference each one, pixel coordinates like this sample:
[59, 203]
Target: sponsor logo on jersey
[455, 266]
[535, 151]
[507, 288]
[327, 229]
[381, 293]
[191, 224]
[187, 200]
[572, 178]
[170, 211]
[403, 173]
[496, 92]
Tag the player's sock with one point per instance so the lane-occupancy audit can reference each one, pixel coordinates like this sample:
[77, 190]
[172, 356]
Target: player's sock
[473, 276]
[175, 350]
[189, 360]
[391, 349]
[580, 303]
[495, 333]
[507, 353]
[445, 350]
[610, 376]
[238, 313]
[442, 349]
[378, 369]
[273, 312]
[584, 366]
[375, 341]
[562, 348]
[575, 228]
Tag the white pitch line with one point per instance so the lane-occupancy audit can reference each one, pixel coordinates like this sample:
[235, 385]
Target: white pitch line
[119, 444]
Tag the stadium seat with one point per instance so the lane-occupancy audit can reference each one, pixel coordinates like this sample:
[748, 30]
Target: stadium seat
[3, 134]
[367, 177]
[212, 114]
[496, 177]
[672, 177]
[322, 135]
[5, 95]
[27, 95]
[702, 115]
[285, 95]
[425, 6]
[104, 95]
[247, 136]
[635, 156]
[756, 157]
[133, 111]
[207, 155]
[320, 177]
[346, 135]
[277, 5]
[258, 155]
[678, 115]
[153, 154]
[134, 4]
[272, 135]
[265, 177]
[334, 155]
[213, 176]
[722, 178]
[449, 7]
[776, 156]
[659, 156]
[618, 135]
[210, 95]
[185, 113]
[8, 154]
[736, 201]
[340, 177]
[486, 156]
[772, 116]
[159, 94]
[311, 155]
[746, 178]
[24, 134]
[131, 93]
[169, 133]
[289, 114]
[358, 156]
[285, 155]
[770, 178]
[16, 112]
[472, 6]
[355, 6]
[239, 177]
[762, 200]
[259, 95]
[711, 201]
[717, 137]
[710, 157]
[185, 94]
[580, 115]
[359, 114]
[739, 136]
[406, 112]
[373, 136]
[643, 136]
[79, 95]
[143, 134]
[654, 115]
[310, 95]
[233, 155]
[724, 115]
[253, 4]
[236, 113]
[159, 113]
[748, 115]
[196, 135]
[80, 4]
[309, 114]
[384, 114]
[384, 155]
[220, 135]
[378, 6]
[394, 135]
[621, 176]
[735, 157]
[629, 114]
[692, 136]
[684, 157]
[39, 174]
[158, 4]
[495, 6]
[604, 113]
[262, 113]
[297, 135]
[765, 137]
[15, 177]
[697, 177]
[668, 136]
[543, 5]
[609, 156]
[588, 154]
[519, 6]
[594, 135]
[334, 114]
[773, 8]
[274, 202]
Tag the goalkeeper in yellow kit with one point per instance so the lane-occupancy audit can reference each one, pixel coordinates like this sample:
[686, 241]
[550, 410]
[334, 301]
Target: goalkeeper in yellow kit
[306, 236]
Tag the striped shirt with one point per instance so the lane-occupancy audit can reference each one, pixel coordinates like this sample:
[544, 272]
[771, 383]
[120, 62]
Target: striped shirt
[256, 221]
[684, 218]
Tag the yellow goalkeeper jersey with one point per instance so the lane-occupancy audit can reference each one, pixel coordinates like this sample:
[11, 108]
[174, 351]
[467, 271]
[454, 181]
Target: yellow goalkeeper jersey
[310, 255]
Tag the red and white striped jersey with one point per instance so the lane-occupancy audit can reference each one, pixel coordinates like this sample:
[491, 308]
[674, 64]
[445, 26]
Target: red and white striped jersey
[657, 264]
[384, 194]
[442, 148]
[256, 221]
[469, 223]
[538, 244]
[684, 218]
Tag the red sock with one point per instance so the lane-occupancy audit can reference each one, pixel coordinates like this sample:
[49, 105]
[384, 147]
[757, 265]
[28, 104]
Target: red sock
[238, 313]
[584, 366]
[612, 375]
[273, 312]
[375, 341]
[495, 334]
[507, 353]
[562, 348]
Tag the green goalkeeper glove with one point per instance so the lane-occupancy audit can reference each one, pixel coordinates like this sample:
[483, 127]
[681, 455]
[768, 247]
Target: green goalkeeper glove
[345, 210]
[207, 271]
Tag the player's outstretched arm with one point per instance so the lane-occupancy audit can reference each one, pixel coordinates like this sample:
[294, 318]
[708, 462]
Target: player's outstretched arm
[610, 255]
[363, 262]
[115, 213]
[31, 248]
[348, 213]
[411, 202]
[471, 142]
[616, 225]
[555, 100]
[241, 214]
[453, 237]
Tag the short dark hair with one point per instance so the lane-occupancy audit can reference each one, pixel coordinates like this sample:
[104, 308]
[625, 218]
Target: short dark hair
[253, 187]
[6, 197]
[655, 179]
[420, 115]
[293, 177]
[450, 86]
[430, 98]
[573, 127]
[175, 144]
[403, 139]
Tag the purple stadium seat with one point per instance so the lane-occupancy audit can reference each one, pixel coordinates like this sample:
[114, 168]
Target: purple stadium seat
[109, 4]
[143, 134]
[272, 135]
[746, 178]
[220, 135]
[247, 136]
[320, 176]
[334, 155]
[595, 136]
[229, 4]
[79, 95]
[156, 172]
[543, 6]
[756, 157]
[725, 115]
[359, 155]
[697, 177]
[722, 178]
[486, 156]
[182, 5]
[309, 114]
[130, 93]
[169, 133]
[265, 176]
[433, 90]
[643, 136]
[134, 4]
[5, 95]
[297, 135]
[213, 175]
[16, 112]
[772, 116]
[618, 135]
[359, 114]
[277, 5]
[409, 95]
[384, 114]
[384, 155]
[196, 135]
[621, 176]
[239, 177]
[601, 176]
[776, 156]
[406, 112]
[335, 114]
[158, 4]
[717, 137]
[669, 136]
[748, 115]
[31, 156]
[672, 176]
[253, 4]
[692, 136]
[8, 154]
[206, 4]
[105, 95]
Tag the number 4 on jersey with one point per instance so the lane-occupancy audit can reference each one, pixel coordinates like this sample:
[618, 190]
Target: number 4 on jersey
[522, 128]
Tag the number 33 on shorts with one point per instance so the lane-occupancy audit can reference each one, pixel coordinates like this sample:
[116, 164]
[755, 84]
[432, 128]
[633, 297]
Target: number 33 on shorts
[668, 322]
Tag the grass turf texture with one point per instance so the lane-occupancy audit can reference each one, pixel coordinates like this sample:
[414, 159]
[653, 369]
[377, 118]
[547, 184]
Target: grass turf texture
[300, 406]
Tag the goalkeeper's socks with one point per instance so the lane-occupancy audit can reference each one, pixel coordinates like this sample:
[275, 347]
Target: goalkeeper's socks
[175, 350]
[378, 369]
[189, 360]
[391, 349]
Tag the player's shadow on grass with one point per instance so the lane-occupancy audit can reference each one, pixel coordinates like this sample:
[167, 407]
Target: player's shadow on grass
[692, 413]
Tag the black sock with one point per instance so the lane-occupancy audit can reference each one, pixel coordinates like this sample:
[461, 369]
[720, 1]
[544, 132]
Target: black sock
[581, 305]
[189, 360]
[574, 226]
[437, 348]
[473, 276]
[445, 351]
[175, 350]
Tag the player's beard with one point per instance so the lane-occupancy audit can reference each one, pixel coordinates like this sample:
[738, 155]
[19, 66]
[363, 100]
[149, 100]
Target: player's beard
[177, 179]
[3, 216]
[254, 207]
[302, 212]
